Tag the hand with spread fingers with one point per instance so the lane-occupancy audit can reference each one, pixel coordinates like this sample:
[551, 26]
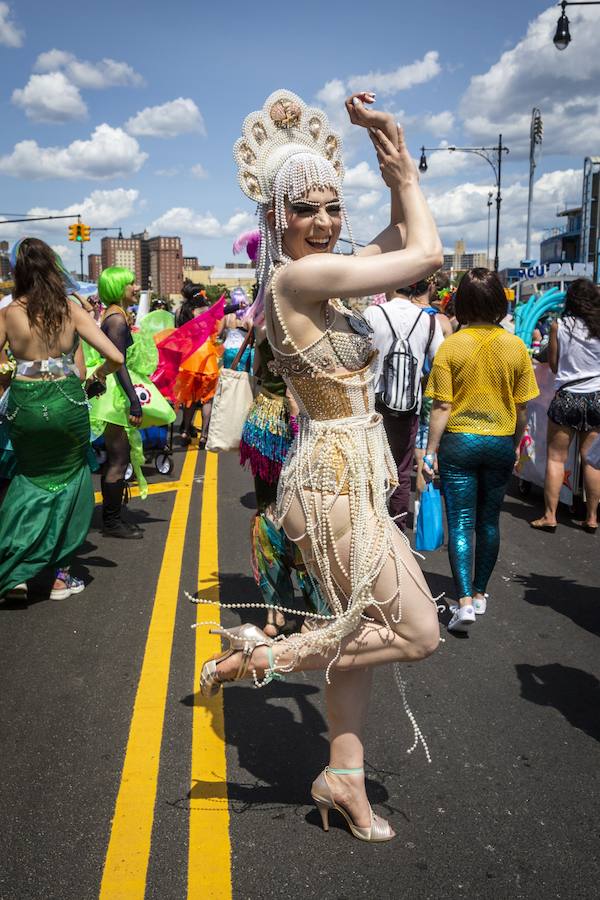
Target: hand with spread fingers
[358, 108]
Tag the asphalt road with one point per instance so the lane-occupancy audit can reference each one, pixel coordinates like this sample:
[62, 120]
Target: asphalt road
[98, 700]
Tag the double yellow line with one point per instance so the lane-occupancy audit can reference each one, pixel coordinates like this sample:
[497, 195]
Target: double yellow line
[126, 863]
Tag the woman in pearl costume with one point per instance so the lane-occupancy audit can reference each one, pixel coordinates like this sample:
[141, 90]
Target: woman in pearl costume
[332, 490]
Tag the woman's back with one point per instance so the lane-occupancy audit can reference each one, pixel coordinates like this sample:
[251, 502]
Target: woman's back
[29, 342]
[578, 357]
[484, 372]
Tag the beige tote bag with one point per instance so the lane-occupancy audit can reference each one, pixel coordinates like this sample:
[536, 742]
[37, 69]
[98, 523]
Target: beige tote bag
[231, 404]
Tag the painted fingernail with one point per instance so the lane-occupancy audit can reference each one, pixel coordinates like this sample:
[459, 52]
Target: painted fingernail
[356, 101]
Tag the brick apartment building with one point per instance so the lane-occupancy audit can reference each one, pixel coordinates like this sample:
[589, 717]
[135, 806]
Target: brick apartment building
[122, 252]
[156, 261]
[94, 266]
[166, 265]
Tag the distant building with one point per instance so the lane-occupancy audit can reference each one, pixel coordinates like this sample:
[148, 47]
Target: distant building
[166, 265]
[562, 244]
[4, 262]
[590, 214]
[94, 266]
[125, 252]
[238, 265]
[143, 237]
[460, 260]
[190, 262]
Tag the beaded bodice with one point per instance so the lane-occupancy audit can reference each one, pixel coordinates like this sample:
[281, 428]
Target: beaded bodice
[333, 377]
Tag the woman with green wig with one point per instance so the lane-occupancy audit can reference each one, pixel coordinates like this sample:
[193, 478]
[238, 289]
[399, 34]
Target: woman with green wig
[131, 401]
[48, 507]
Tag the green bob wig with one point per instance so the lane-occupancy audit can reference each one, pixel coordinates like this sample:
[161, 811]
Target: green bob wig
[112, 283]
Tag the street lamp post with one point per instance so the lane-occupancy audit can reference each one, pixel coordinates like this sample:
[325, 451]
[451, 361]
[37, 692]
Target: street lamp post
[490, 203]
[536, 133]
[492, 155]
[562, 35]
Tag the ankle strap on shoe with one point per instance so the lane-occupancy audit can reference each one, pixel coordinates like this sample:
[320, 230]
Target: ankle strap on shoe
[344, 771]
[272, 674]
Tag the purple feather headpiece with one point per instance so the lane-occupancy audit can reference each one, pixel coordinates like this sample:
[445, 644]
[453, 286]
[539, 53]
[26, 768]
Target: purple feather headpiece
[250, 242]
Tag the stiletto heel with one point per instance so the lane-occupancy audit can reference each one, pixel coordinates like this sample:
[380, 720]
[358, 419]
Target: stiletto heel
[244, 639]
[379, 830]
[324, 810]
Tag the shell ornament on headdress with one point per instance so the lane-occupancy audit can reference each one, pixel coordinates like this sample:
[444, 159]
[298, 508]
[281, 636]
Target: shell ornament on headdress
[286, 149]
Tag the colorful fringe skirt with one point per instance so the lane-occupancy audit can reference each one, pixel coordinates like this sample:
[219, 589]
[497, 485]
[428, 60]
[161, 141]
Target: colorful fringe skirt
[267, 436]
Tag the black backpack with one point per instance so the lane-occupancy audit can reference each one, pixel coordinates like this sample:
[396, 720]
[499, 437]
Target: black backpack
[400, 394]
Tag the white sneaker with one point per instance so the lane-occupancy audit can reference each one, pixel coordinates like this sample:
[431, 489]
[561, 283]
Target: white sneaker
[18, 592]
[480, 604]
[463, 617]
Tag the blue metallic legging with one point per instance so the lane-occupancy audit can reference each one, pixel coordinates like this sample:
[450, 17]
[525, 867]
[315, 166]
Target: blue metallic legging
[474, 470]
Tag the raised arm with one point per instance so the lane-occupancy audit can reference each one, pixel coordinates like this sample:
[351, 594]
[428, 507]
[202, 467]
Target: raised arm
[317, 277]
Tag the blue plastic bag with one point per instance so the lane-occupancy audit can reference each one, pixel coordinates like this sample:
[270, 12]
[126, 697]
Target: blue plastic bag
[430, 523]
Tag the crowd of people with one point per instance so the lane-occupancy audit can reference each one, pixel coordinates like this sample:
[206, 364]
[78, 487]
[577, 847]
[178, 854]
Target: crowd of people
[348, 408]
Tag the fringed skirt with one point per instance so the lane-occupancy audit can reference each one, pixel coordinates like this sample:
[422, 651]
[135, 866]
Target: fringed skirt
[267, 436]
[328, 460]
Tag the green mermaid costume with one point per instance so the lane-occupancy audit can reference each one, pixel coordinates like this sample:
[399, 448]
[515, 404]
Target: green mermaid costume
[48, 507]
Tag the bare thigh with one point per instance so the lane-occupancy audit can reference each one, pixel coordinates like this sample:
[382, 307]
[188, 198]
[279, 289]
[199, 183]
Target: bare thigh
[400, 577]
[558, 440]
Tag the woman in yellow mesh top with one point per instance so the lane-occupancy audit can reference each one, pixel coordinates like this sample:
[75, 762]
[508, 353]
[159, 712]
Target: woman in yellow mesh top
[480, 382]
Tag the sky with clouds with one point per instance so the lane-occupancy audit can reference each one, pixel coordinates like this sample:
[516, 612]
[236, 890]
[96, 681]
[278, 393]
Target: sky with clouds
[127, 112]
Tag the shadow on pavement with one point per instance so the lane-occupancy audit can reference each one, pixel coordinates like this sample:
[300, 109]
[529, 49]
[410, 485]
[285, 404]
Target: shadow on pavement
[283, 749]
[575, 694]
[578, 602]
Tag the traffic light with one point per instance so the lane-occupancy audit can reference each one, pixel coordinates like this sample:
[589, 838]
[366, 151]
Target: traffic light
[73, 232]
[85, 232]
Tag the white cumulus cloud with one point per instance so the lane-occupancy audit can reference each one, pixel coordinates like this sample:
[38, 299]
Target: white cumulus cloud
[10, 34]
[180, 116]
[400, 79]
[198, 171]
[109, 153]
[99, 209]
[565, 86]
[50, 98]
[183, 220]
[361, 176]
[106, 73]
[461, 212]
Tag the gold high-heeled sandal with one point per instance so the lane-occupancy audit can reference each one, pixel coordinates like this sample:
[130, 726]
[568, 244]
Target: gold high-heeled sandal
[244, 638]
[379, 830]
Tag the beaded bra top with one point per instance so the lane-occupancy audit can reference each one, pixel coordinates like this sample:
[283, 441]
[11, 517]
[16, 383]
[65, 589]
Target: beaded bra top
[330, 352]
[313, 373]
[51, 367]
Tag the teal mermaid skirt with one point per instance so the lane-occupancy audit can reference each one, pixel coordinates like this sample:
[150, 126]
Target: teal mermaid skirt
[48, 507]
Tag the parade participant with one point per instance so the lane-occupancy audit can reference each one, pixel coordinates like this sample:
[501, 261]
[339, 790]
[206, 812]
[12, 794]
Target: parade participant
[574, 357]
[193, 393]
[125, 406]
[481, 380]
[266, 439]
[332, 489]
[49, 504]
[398, 325]
[188, 369]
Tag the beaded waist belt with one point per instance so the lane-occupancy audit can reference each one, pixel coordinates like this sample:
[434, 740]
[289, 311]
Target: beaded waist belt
[368, 420]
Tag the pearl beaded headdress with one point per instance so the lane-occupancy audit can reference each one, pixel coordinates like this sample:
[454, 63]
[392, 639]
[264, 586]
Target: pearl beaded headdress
[286, 149]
